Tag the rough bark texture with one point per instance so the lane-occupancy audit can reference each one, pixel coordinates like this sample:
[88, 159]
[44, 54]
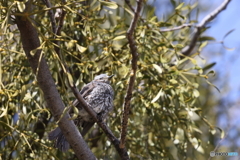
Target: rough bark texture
[30, 41]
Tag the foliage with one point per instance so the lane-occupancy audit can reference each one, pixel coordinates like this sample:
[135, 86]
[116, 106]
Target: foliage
[165, 116]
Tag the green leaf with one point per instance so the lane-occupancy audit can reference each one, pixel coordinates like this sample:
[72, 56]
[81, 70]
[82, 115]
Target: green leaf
[66, 109]
[21, 6]
[70, 79]
[222, 132]
[158, 68]
[173, 81]
[196, 93]
[160, 93]
[153, 19]
[203, 45]
[129, 11]
[75, 113]
[229, 32]
[183, 17]
[196, 144]
[119, 37]
[112, 5]
[179, 6]
[206, 38]
[4, 111]
[179, 46]
[150, 137]
[209, 66]
[81, 48]
[123, 71]
[212, 72]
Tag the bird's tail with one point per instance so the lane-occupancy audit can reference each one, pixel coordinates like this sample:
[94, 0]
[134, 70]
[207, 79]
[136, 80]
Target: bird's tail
[60, 141]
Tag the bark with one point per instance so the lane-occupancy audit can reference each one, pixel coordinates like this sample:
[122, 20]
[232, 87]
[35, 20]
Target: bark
[134, 53]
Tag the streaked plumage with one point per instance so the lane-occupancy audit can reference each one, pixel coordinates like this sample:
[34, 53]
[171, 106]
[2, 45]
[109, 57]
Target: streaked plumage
[99, 96]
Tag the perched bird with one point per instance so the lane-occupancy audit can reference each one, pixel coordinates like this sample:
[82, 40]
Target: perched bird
[99, 96]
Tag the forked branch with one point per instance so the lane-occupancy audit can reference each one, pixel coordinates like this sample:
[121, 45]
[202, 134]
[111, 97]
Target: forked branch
[197, 32]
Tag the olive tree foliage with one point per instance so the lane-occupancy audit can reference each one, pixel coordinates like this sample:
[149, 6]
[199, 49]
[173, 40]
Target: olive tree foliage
[165, 112]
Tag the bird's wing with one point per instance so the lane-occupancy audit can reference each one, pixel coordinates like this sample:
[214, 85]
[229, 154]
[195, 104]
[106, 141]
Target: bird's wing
[85, 92]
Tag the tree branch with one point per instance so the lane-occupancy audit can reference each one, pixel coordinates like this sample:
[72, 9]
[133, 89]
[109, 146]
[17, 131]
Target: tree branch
[128, 97]
[51, 15]
[129, 5]
[188, 49]
[176, 28]
[31, 42]
[121, 151]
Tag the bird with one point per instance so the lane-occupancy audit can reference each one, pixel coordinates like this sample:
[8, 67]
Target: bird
[99, 95]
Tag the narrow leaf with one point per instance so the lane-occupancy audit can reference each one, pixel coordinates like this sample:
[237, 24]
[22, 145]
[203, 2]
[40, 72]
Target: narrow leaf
[160, 93]
[179, 6]
[196, 93]
[70, 79]
[111, 5]
[119, 37]
[81, 48]
[158, 68]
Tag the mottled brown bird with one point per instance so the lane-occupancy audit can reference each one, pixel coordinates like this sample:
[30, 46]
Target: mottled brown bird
[99, 96]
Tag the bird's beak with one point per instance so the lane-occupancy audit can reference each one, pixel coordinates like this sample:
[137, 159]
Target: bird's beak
[109, 77]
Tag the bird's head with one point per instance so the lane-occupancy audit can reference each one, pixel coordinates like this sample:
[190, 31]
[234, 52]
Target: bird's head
[103, 78]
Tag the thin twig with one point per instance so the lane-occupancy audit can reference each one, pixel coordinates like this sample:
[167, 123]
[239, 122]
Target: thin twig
[218, 145]
[58, 31]
[161, 30]
[60, 24]
[188, 49]
[133, 48]
[176, 28]
[129, 5]
[51, 15]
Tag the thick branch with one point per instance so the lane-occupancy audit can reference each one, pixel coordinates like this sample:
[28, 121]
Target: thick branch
[30, 42]
[188, 49]
[133, 48]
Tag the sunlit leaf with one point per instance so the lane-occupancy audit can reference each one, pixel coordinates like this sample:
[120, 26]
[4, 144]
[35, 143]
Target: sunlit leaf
[75, 113]
[150, 137]
[70, 79]
[158, 68]
[21, 6]
[173, 81]
[81, 49]
[111, 4]
[179, 6]
[4, 111]
[160, 93]
[203, 45]
[196, 93]
[119, 37]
